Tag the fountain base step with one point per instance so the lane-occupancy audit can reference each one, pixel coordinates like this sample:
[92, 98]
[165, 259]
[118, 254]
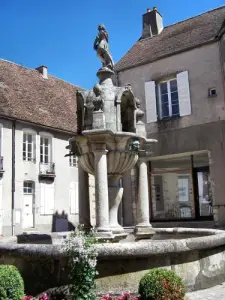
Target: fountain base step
[144, 232]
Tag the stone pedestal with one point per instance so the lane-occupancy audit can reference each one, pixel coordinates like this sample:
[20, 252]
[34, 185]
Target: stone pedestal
[143, 229]
[115, 197]
[101, 193]
[84, 205]
[98, 119]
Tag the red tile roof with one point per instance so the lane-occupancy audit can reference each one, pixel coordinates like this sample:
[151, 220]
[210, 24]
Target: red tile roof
[26, 96]
[175, 38]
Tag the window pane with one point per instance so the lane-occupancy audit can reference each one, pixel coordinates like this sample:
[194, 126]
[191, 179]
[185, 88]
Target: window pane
[174, 97]
[172, 189]
[173, 85]
[24, 137]
[29, 148]
[29, 156]
[46, 142]
[175, 109]
[163, 88]
[165, 105]
[46, 159]
[29, 138]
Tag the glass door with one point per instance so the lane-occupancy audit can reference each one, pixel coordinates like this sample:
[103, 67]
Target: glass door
[203, 193]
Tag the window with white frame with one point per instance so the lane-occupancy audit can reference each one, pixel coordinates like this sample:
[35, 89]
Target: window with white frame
[45, 149]
[28, 187]
[73, 161]
[167, 99]
[29, 139]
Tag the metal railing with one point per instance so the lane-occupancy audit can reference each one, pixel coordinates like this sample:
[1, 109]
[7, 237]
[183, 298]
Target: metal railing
[47, 169]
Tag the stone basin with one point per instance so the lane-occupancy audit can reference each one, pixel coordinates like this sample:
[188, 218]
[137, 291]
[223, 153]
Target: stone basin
[120, 157]
[197, 255]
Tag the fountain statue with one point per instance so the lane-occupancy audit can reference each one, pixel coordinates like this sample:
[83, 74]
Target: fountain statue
[111, 140]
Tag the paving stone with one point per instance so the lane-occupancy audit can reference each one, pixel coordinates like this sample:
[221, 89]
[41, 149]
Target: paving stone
[215, 293]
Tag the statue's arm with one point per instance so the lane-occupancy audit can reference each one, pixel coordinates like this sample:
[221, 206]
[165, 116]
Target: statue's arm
[96, 43]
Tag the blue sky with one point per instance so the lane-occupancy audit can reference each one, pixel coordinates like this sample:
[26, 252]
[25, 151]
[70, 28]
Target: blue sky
[60, 34]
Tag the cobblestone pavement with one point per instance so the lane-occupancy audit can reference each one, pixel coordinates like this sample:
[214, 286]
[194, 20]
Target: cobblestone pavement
[215, 293]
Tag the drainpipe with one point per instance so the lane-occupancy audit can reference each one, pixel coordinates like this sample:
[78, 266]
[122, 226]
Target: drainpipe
[13, 175]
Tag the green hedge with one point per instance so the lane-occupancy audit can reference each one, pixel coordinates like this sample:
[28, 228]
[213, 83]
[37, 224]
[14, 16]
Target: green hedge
[11, 283]
[161, 284]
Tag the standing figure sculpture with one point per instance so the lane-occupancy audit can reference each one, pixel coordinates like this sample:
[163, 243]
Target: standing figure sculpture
[102, 47]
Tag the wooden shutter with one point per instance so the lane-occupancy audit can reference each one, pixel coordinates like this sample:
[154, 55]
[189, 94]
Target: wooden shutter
[73, 195]
[150, 102]
[47, 199]
[184, 93]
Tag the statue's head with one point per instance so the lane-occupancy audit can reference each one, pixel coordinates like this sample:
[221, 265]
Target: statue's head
[101, 27]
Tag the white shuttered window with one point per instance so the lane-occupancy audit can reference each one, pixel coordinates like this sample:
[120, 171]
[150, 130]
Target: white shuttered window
[168, 98]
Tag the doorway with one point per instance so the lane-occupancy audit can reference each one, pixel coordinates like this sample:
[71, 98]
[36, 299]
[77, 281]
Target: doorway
[28, 204]
[203, 193]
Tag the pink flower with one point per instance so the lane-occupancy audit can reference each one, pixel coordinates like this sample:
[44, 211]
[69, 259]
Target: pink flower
[44, 296]
[107, 297]
[27, 297]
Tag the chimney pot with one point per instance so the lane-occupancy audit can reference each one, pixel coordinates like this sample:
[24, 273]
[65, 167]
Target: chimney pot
[148, 10]
[43, 70]
[155, 8]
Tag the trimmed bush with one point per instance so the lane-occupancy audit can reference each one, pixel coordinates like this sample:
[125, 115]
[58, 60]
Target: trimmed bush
[11, 283]
[161, 284]
[3, 295]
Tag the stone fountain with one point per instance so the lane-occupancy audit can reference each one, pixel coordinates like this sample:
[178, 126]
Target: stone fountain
[111, 140]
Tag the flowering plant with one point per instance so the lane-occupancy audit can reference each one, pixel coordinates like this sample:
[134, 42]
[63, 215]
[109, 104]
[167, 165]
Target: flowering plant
[43, 296]
[123, 296]
[82, 254]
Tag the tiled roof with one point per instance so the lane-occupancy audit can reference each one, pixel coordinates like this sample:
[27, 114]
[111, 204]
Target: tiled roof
[175, 38]
[25, 95]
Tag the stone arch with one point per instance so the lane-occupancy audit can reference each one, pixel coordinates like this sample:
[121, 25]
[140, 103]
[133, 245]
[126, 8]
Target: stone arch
[128, 107]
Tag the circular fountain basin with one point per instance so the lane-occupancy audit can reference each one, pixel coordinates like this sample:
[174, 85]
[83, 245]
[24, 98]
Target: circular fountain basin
[197, 255]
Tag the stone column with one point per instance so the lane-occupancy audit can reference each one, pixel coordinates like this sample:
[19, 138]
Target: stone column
[143, 228]
[128, 219]
[115, 197]
[84, 204]
[101, 193]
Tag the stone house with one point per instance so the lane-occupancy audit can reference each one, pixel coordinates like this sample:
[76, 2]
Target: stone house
[178, 73]
[38, 184]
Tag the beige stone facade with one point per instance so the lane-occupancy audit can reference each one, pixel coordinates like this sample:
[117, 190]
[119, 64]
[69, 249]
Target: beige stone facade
[198, 128]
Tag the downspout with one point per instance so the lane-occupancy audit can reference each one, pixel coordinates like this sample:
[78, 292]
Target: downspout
[13, 175]
[222, 67]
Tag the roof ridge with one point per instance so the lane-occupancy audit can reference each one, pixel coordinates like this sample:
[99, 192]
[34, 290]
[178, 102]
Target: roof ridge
[196, 16]
[30, 69]
[180, 22]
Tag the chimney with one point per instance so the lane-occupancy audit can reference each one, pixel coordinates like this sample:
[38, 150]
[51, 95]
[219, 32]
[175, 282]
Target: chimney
[152, 23]
[43, 70]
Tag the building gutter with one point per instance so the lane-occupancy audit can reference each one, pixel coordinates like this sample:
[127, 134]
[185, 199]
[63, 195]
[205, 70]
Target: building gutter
[13, 175]
[38, 125]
